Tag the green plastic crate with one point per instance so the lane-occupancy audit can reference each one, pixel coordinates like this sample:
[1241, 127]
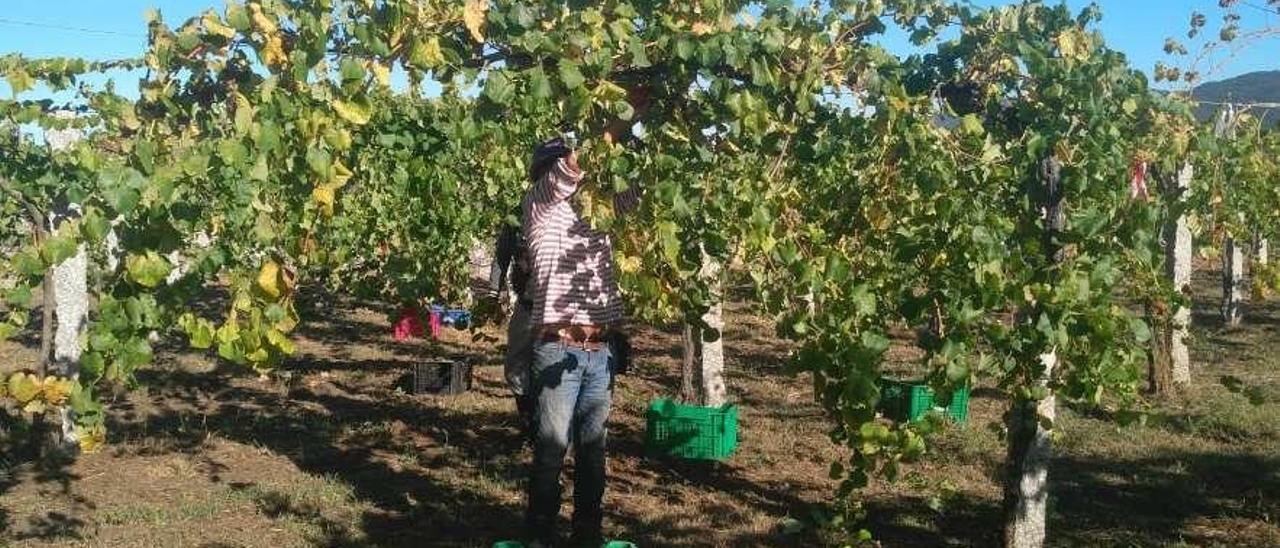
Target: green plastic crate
[690, 431]
[910, 400]
[518, 544]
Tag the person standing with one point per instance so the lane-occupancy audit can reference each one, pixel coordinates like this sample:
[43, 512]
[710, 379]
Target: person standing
[511, 263]
[576, 303]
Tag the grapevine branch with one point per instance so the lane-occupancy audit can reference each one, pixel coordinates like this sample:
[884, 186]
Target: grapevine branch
[37, 220]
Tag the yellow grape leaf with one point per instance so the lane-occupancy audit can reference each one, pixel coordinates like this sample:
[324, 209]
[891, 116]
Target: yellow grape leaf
[879, 217]
[261, 171]
[242, 302]
[290, 321]
[608, 91]
[341, 174]
[288, 278]
[473, 17]
[23, 387]
[92, 439]
[426, 53]
[244, 114]
[213, 25]
[1065, 152]
[397, 34]
[56, 390]
[1258, 289]
[281, 341]
[269, 279]
[273, 51]
[129, 119]
[272, 45]
[629, 265]
[257, 357]
[323, 195]
[1066, 44]
[1006, 65]
[338, 138]
[1072, 44]
[354, 112]
[261, 22]
[381, 72]
[700, 28]
[35, 407]
[19, 80]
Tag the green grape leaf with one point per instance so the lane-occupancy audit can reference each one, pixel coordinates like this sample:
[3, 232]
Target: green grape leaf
[147, 270]
[571, 75]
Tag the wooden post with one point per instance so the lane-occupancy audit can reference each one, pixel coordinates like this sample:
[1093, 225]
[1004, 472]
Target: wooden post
[1030, 421]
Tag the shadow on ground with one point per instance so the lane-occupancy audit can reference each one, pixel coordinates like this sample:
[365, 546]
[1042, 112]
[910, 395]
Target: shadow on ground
[342, 416]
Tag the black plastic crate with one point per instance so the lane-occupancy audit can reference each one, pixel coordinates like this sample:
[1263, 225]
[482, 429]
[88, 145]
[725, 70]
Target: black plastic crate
[441, 377]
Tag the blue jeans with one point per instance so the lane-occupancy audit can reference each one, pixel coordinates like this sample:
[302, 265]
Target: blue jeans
[574, 390]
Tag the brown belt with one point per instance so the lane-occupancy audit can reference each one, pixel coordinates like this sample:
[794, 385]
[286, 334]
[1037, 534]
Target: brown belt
[588, 338]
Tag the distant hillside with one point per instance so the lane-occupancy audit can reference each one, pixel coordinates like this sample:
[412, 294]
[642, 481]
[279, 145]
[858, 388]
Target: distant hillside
[1255, 87]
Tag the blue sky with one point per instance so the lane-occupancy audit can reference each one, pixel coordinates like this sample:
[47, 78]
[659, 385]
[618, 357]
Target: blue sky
[114, 28]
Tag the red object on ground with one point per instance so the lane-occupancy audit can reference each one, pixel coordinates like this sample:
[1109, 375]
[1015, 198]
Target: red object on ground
[409, 325]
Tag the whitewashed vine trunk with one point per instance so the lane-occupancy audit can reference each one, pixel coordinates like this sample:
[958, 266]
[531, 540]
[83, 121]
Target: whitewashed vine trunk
[1233, 287]
[1178, 240]
[1232, 256]
[71, 311]
[703, 374]
[713, 388]
[1030, 426]
[712, 353]
[70, 295]
[1030, 421]
[689, 366]
[1261, 250]
[112, 245]
[183, 261]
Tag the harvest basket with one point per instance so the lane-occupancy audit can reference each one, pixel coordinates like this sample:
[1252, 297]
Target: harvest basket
[910, 400]
[446, 377]
[690, 431]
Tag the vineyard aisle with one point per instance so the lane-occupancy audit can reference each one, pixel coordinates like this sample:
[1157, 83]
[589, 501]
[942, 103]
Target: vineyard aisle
[338, 457]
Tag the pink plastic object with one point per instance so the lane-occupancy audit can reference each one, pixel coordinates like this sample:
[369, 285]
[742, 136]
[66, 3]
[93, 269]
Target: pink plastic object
[1138, 185]
[409, 325]
[434, 322]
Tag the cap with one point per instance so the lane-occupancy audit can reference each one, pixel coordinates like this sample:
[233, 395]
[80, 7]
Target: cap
[545, 154]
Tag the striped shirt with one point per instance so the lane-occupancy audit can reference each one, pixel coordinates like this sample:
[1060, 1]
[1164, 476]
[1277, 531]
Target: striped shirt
[571, 278]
